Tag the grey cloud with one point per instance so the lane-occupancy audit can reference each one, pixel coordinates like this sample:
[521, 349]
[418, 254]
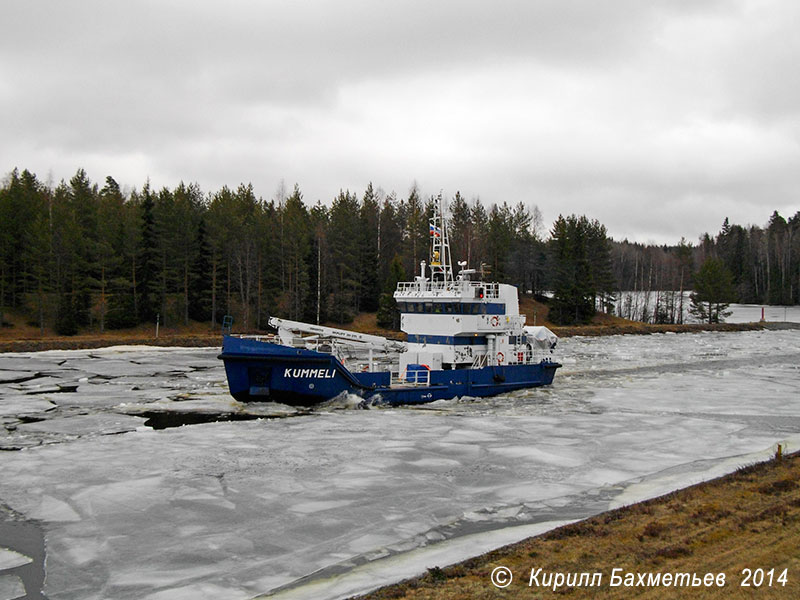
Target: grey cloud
[579, 106]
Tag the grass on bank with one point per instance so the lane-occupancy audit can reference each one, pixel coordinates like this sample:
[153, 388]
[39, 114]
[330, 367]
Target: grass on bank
[749, 519]
[18, 335]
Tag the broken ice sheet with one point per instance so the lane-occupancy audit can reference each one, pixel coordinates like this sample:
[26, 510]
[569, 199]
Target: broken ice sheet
[80, 425]
[244, 508]
[15, 376]
[9, 559]
[11, 587]
[15, 405]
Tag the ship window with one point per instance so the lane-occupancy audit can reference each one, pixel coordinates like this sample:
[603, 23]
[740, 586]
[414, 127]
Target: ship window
[428, 307]
[448, 308]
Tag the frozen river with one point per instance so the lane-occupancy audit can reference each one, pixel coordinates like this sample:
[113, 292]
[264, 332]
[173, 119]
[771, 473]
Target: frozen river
[328, 503]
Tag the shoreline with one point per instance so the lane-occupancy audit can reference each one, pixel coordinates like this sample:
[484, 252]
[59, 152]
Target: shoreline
[92, 342]
[746, 520]
[89, 342]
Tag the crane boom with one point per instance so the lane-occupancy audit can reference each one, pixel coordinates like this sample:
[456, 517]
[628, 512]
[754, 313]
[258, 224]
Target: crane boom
[374, 341]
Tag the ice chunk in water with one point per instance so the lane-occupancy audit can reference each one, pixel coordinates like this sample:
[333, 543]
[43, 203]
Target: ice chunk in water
[9, 559]
[53, 509]
[238, 509]
[11, 587]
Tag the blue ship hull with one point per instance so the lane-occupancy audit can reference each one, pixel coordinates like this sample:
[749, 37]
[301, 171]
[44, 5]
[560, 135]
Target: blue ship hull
[263, 372]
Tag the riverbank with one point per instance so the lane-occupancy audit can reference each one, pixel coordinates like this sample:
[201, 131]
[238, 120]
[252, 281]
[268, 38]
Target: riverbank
[192, 340]
[104, 341]
[742, 528]
[631, 328]
[20, 337]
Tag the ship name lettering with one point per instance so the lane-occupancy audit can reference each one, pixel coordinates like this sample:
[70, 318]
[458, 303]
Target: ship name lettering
[308, 373]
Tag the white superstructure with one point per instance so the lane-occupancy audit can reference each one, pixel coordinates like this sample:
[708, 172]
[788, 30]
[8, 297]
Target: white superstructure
[457, 323]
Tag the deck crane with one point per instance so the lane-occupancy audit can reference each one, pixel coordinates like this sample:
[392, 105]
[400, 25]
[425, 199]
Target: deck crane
[318, 333]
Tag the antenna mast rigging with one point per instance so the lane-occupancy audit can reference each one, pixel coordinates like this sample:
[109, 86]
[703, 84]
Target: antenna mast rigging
[441, 265]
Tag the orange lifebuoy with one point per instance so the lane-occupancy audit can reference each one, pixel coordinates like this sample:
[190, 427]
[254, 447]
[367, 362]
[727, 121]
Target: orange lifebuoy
[495, 321]
[500, 357]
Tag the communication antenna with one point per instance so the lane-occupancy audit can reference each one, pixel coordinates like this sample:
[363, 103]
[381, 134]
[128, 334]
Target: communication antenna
[441, 265]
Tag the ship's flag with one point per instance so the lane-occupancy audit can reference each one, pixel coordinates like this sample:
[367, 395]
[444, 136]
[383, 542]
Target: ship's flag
[435, 231]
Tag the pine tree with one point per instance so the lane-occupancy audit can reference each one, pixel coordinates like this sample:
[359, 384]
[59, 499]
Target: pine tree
[390, 237]
[321, 263]
[182, 245]
[149, 267]
[298, 256]
[460, 229]
[479, 243]
[388, 316]
[369, 220]
[344, 238]
[66, 322]
[200, 284]
[123, 306]
[66, 242]
[573, 292]
[602, 278]
[83, 213]
[109, 247]
[499, 239]
[416, 233]
[37, 254]
[270, 267]
[20, 206]
[778, 260]
[713, 291]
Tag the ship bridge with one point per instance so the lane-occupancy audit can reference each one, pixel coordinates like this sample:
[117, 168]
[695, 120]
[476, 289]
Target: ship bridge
[456, 322]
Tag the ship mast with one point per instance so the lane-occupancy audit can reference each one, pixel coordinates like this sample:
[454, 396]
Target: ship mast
[441, 266]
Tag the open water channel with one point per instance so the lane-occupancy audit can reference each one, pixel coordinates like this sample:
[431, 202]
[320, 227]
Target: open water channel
[102, 496]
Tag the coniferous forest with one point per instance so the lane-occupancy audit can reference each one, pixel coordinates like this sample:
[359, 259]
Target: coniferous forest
[89, 255]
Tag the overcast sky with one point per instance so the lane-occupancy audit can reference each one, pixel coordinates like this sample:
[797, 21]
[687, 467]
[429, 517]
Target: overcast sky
[659, 118]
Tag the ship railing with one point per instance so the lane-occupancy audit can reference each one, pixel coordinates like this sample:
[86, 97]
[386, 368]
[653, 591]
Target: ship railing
[532, 357]
[473, 289]
[518, 356]
[416, 377]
